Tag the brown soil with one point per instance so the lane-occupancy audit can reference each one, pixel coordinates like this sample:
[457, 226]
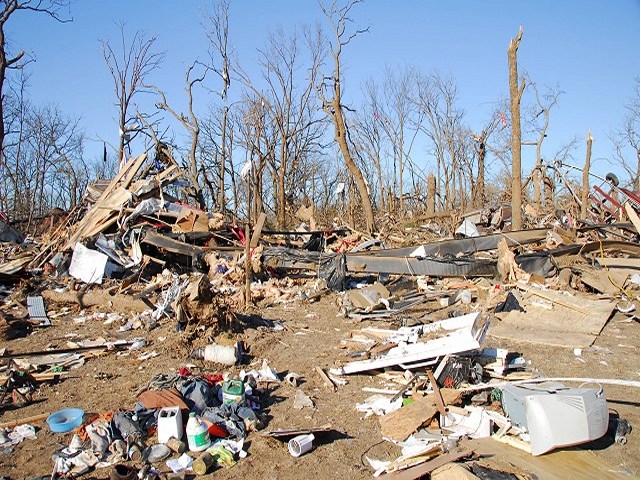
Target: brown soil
[311, 338]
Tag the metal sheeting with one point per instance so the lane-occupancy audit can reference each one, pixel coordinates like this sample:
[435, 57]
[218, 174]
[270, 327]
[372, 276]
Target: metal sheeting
[470, 245]
[436, 267]
[37, 312]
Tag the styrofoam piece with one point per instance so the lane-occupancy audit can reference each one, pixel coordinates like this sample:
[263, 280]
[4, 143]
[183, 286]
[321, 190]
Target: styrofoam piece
[169, 424]
[301, 444]
[476, 424]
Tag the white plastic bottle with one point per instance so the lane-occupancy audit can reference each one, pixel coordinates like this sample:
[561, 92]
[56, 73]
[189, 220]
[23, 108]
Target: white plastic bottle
[225, 354]
[197, 434]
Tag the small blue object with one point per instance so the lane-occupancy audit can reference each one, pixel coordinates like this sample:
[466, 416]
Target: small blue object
[65, 420]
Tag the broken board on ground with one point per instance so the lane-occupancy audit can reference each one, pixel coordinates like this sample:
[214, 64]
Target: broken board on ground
[558, 465]
[296, 431]
[573, 321]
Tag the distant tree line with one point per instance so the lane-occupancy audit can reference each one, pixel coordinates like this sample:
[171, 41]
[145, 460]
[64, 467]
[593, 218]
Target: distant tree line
[284, 133]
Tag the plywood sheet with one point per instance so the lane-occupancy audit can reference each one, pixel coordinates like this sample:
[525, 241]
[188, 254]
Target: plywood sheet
[557, 465]
[574, 321]
[400, 424]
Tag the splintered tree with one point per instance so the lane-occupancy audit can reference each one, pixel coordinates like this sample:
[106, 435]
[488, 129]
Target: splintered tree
[53, 8]
[515, 92]
[338, 17]
[129, 64]
[584, 207]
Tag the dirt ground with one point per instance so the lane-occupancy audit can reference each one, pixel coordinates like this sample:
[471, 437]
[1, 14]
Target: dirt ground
[311, 338]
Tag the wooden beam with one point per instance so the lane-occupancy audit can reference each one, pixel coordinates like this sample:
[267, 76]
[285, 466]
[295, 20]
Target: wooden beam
[436, 392]
[257, 232]
[425, 468]
[23, 421]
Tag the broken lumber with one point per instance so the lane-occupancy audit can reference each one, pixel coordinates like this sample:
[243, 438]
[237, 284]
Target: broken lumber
[398, 425]
[413, 473]
[23, 421]
[325, 378]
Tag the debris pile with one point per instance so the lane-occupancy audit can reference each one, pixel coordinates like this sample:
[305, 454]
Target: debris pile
[138, 275]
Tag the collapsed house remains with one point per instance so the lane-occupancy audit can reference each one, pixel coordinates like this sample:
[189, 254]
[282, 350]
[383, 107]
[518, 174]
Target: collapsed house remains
[424, 319]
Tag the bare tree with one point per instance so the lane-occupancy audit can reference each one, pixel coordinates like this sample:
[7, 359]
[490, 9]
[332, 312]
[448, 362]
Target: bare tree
[628, 136]
[369, 136]
[53, 8]
[44, 166]
[538, 121]
[338, 17]
[190, 122]
[289, 105]
[130, 63]
[437, 100]
[220, 63]
[481, 140]
[400, 120]
[515, 92]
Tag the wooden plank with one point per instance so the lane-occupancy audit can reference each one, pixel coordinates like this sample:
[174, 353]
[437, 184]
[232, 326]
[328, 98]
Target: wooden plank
[563, 326]
[42, 377]
[325, 378]
[171, 245]
[98, 213]
[436, 392]
[605, 281]
[425, 468]
[23, 421]
[400, 424]
[296, 431]
[14, 266]
[571, 302]
[557, 465]
[630, 263]
[633, 216]
[257, 232]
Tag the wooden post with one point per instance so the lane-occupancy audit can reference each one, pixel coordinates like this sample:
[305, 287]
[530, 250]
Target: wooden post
[247, 248]
[585, 179]
[247, 266]
[350, 215]
[431, 194]
[515, 92]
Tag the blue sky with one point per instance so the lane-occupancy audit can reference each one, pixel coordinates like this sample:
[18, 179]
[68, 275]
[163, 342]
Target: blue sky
[588, 48]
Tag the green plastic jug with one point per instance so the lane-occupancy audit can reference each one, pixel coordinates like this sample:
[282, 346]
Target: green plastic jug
[232, 391]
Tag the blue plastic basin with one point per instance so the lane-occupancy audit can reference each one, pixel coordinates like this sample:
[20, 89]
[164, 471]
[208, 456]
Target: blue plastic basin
[65, 420]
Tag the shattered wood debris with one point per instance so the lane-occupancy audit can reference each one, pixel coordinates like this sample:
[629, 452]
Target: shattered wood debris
[422, 318]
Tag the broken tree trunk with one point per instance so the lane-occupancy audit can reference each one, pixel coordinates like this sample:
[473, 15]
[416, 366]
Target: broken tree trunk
[431, 194]
[334, 108]
[478, 188]
[515, 93]
[585, 179]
